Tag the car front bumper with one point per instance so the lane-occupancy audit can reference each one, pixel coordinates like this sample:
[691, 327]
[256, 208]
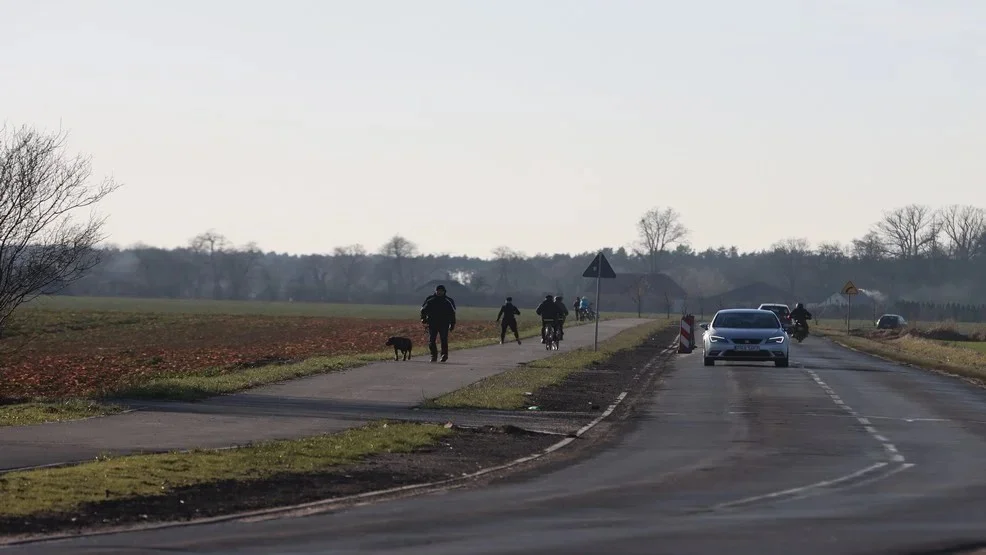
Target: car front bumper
[729, 351]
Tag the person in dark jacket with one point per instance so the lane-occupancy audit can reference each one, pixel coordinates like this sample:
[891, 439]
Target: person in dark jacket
[575, 307]
[548, 311]
[800, 315]
[438, 313]
[562, 314]
[508, 314]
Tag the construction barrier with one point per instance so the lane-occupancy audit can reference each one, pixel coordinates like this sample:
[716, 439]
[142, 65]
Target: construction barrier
[686, 339]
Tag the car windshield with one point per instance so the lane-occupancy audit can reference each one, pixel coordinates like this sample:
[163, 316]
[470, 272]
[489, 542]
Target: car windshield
[745, 320]
[777, 309]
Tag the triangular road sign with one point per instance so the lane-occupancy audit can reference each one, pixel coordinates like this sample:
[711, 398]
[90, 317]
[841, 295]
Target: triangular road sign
[599, 268]
[849, 289]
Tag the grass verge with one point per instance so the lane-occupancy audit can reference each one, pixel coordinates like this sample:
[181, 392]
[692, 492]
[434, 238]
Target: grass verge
[71, 488]
[39, 412]
[201, 385]
[506, 391]
[945, 356]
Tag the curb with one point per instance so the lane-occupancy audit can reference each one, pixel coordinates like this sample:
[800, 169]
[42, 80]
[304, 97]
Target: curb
[325, 504]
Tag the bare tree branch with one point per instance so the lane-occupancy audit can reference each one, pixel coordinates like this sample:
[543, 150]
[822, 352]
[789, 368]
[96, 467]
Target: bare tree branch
[964, 227]
[659, 230]
[910, 232]
[43, 247]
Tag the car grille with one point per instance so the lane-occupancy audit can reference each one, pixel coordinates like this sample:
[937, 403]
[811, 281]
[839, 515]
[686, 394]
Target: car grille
[747, 341]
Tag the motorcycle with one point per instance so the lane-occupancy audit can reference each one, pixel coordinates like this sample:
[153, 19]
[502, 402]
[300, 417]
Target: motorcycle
[798, 332]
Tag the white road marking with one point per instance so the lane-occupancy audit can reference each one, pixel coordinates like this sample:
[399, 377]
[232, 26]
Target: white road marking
[867, 425]
[804, 489]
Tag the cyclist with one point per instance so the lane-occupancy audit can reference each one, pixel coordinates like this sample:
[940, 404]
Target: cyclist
[549, 313]
[562, 314]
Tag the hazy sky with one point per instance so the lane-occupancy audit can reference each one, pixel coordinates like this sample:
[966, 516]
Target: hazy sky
[547, 126]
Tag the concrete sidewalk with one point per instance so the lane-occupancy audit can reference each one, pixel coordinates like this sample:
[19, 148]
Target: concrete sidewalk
[307, 406]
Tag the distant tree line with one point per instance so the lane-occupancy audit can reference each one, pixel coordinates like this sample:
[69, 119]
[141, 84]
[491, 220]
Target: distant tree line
[49, 240]
[912, 254]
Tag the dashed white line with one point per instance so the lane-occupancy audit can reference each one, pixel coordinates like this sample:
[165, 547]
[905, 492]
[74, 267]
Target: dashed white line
[890, 448]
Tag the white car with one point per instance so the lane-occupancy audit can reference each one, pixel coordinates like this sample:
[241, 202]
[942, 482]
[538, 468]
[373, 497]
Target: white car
[746, 334]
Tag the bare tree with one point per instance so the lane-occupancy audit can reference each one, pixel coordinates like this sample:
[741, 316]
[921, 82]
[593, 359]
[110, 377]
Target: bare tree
[505, 259]
[238, 266]
[399, 249]
[637, 291]
[792, 253]
[910, 232]
[659, 230]
[964, 227]
[213, 245]
[43, 248]
[349, 261]
[869, 247]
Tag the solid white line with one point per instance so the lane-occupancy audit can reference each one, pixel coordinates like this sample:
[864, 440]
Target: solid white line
[802, 489]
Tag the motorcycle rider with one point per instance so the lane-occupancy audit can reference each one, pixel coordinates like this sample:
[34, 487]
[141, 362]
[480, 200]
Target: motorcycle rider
[548, 311]
[800, 316]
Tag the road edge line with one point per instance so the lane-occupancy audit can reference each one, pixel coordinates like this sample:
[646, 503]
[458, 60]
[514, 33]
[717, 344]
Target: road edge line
[325, 504]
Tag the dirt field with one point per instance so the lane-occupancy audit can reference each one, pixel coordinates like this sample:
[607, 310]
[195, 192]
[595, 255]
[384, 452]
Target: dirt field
[83, 347]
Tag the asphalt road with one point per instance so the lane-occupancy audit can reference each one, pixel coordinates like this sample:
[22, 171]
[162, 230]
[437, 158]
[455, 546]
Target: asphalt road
[841, 453]
[309, 406]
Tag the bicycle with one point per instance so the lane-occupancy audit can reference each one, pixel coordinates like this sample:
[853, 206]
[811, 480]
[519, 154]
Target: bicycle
[550, 334]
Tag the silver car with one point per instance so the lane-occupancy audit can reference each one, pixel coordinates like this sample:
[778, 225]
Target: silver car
[745, 334]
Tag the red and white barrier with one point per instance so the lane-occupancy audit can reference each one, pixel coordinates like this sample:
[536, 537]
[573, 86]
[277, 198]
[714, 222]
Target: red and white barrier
[686, 339]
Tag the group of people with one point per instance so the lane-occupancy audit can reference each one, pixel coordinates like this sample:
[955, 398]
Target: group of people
[438, 313]
[552, 311]
[582, 306]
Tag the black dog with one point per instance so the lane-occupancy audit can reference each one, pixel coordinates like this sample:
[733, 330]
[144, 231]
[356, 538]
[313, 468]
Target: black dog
[401, 344]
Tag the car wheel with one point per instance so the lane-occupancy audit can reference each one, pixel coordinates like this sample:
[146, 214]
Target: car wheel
[710, 361]
[782, 363]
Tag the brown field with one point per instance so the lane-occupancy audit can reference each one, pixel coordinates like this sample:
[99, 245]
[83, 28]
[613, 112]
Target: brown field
[52, 351]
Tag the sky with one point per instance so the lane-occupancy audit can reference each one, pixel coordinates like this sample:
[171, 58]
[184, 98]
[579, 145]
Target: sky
[544, 126]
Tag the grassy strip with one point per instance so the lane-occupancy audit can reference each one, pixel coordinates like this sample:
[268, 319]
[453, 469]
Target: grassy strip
[39, 412]
[210, 383]
[944, 356]
[67, 489]
[505, 391]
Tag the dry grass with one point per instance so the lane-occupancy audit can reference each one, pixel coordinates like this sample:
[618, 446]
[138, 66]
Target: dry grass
[943, 346]
[67, 489]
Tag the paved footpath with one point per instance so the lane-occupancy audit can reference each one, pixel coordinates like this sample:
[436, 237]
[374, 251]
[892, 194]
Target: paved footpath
[307, 406]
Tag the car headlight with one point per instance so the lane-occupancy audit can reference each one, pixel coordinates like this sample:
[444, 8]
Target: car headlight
[778, 339]
[717, 339]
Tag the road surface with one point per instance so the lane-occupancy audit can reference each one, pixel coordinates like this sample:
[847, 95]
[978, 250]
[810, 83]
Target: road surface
[841, 453]
[308, 406]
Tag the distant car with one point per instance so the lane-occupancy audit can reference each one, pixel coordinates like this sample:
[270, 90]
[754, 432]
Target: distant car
[890, 322]
[782, 311]
[745, 334]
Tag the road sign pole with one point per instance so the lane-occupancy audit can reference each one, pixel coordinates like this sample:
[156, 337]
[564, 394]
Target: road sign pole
[849, 316]
[599, 279]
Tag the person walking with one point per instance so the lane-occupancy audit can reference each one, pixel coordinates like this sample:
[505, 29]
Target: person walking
[438, 313]
[508, 314]
[575, 307]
